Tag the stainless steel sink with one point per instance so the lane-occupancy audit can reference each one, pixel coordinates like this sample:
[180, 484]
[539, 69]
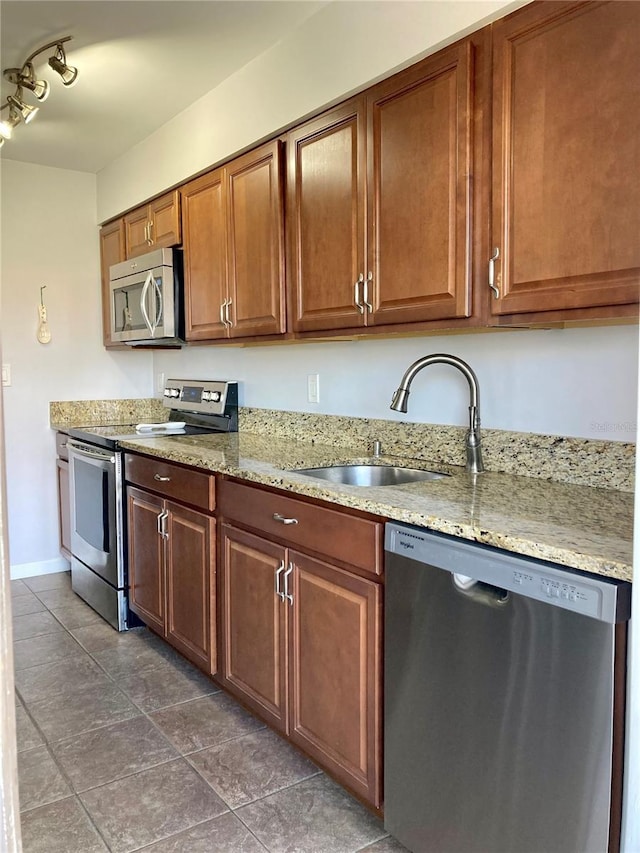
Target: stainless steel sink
[370, 475]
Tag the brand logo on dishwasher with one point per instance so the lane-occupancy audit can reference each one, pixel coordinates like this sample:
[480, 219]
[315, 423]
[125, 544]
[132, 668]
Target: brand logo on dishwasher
[408, 545]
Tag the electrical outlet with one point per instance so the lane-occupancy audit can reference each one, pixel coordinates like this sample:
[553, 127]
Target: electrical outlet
[6, 374]
[313, 388]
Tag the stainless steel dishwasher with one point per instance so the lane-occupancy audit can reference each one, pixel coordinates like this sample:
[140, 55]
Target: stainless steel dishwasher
[503, 710]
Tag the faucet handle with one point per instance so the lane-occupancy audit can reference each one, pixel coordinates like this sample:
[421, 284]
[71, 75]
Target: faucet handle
[376, 448]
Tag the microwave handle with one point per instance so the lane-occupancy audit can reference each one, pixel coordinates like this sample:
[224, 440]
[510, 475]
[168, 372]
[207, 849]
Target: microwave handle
[157, 306]
[143, 303]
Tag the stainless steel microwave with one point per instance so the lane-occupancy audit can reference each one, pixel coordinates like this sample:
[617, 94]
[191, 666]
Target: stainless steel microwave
[146, 299]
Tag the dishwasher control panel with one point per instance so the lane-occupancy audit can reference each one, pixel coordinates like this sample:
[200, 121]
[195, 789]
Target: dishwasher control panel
[566, 592]
[605, 599]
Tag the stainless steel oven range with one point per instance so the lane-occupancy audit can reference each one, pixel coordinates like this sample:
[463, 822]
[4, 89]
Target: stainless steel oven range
[98, 527]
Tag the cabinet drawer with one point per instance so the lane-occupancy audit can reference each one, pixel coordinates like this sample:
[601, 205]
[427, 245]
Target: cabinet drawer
[173, 481]
[352, 540]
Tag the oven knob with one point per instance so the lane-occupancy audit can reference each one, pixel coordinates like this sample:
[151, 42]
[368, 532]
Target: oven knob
[171, 392]
[215, 396]
[206, 396]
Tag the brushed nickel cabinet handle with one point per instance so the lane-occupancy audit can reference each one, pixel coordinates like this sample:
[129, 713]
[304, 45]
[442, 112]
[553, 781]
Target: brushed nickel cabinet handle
[287, 595]
[227, 315]
[279, 571]
[161, 479]
[162, 528]
[283, 520]
[356, 293]
[365, 297]
[149, 237]
[492, 272]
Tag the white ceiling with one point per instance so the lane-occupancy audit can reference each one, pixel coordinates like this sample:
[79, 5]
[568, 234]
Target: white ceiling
[140, 62]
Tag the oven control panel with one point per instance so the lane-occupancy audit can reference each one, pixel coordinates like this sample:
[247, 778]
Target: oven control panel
[214, 397]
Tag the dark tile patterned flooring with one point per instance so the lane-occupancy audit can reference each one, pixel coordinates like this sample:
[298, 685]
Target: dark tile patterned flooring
[123, 746]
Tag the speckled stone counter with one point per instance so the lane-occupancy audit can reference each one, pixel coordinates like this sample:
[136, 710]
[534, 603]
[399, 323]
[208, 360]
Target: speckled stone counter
[582, 527]
[70, 413]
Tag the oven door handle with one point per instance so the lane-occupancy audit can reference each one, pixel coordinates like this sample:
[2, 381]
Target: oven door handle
[83, 450]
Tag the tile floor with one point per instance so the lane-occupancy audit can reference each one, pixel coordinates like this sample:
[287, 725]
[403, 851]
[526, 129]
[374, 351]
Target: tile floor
[124, 746]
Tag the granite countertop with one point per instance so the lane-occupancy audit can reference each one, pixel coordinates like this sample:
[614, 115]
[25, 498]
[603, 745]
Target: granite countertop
[583, 527]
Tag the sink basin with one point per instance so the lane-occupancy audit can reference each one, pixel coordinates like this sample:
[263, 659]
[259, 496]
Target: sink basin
[370, 475]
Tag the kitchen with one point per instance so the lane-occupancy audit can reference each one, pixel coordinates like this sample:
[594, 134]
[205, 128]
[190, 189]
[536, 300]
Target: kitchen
[524, 374]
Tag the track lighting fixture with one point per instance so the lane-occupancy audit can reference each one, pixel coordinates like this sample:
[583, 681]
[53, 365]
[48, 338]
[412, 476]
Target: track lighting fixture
[25, 78]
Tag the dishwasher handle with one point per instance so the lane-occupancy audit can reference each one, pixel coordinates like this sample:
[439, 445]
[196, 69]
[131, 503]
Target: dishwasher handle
[480, 592]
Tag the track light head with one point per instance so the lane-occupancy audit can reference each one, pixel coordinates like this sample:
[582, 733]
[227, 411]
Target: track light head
[26, 77]
[27, 112]
[7, 124]
[58, 62]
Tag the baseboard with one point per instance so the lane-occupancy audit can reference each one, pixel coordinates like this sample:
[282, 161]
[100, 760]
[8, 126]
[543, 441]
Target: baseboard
[43, 567]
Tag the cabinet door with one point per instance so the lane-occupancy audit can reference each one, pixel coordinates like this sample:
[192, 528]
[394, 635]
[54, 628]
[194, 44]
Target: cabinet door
[64, 508]
[164, 216]
[326, 175]
[254, 624]
[256, 242]
[112, 251]
[566, 143]
[336, 673]
[205, 259]
[146, 559]
[190, 578]
[419, 190]
[136, 226]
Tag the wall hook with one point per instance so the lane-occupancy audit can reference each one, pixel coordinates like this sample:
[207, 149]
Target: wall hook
[43, 335]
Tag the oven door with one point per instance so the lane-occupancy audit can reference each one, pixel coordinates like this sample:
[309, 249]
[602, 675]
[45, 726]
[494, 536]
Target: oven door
[95, 486]
[142, 306]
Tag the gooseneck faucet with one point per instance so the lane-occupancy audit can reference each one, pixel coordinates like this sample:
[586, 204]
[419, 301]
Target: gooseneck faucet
[473, 440]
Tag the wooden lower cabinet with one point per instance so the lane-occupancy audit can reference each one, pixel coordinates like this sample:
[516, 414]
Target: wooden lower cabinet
[64, 498]
[146, 559]
[301, 646]
[64, 508]
[335, 672]
[172, 573]
[254, 624]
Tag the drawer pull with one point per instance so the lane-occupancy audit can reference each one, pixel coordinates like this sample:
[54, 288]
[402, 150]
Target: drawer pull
[161, 479]
[283, 520]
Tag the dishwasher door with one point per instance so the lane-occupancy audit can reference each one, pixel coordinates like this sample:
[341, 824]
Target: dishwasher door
[499, 699]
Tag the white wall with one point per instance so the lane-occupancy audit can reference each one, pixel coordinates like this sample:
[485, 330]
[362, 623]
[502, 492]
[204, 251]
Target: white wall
[578, 382]
[333, 53]
[49, 237]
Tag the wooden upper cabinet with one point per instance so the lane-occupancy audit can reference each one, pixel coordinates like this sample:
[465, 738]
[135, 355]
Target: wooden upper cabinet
[419, 174]
[233, 224]
[566, 151]
[256, 242]
[407, 147]
[205, 260]
[154, 226]
[112, 251]
[325, 211]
